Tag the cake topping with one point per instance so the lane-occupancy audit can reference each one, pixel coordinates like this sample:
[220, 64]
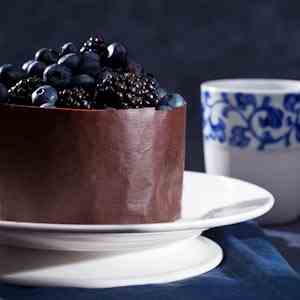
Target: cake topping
[44, 94]
[127, 90]
[68, 48]
[21, 93]
[99, 76]
[74, 98]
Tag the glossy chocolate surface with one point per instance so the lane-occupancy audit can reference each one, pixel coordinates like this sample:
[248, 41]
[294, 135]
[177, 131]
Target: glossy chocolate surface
[91, 166]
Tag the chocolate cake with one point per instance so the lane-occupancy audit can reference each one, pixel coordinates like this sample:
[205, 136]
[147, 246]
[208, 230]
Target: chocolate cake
[87, 137]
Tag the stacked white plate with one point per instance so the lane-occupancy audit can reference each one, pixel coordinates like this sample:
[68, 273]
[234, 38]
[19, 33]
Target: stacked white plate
[119, 255]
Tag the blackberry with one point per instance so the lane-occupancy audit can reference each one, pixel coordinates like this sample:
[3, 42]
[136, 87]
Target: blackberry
[21, 92]
[94, 44]
[127, 90]
[74, 98]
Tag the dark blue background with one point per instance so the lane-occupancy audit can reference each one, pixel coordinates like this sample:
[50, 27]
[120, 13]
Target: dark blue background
[182, 42]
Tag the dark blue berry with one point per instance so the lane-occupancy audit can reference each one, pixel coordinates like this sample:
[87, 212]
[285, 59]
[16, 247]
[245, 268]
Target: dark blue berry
[44, 94]
[135, 67]
[90, 64]
[10, 74]
[90, 56]
[83, 80]
[70, 60]
[36, 68]
[116, 56]
[48, 105]
[57, 75]
[162, 93]
[172, 100]
[3, 93]
[27, 64]
[47, 56]
[165, 107]
[68, 48]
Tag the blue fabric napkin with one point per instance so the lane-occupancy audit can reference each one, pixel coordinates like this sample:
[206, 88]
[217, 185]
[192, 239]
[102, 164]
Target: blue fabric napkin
[252, 269]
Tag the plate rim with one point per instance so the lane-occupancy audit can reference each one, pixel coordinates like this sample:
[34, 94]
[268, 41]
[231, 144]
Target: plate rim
[179, 225]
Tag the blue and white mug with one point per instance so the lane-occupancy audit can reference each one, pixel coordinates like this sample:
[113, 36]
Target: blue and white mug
[251, 130]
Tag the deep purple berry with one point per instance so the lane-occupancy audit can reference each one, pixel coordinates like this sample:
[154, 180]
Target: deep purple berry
[10, 74]
[90, 64]
[116, 56]
[57, 75]
[68, 48]
[83, 80]
[70, 60]
[44, 94]
[47, 56]
[36, 68]
[27, 64]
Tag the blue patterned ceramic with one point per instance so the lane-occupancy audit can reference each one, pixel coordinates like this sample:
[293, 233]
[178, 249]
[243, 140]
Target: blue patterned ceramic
[263, 120]
[251, 130]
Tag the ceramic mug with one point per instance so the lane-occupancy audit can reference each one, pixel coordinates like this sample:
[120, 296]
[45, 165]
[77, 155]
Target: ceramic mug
[251, 130]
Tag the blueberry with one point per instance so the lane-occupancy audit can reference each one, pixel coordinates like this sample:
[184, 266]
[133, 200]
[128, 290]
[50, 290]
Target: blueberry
[162, 93]
[9, 74]
[44, 94]
[3, 93]
[90, 64]
[90, 56]
[116, 55]
[47, 56]
[84, 81]
[68, 48]
[57, 75]
[36, 68]
[164, 107]
[135, 67]
[70, 60]
[26, 64]
[172, 100]
[48, 105]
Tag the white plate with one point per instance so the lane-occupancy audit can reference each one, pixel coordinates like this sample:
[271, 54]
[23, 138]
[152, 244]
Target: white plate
[128, 253]
[208, 201]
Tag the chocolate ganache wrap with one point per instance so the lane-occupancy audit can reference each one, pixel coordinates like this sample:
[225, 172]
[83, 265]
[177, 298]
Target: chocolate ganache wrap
[91, 166]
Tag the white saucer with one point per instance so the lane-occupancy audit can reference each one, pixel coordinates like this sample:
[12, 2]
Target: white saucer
[117, 255]
[83, 269]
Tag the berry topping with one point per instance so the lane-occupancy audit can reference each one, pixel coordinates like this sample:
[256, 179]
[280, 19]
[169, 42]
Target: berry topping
[90, 64]
[74, 98]
[10, 74]
[27, 64]
[47, 56]
[97, 76]
[116, 56]
[70, 60]
[83, 80]
[134, 67]
[3, 93]
[22, 91]
[68, 48]
[126, 90]
[57, 75]
[162, 93]
[44, 94]
[36, 68]
[172, 100]
[48, 105]
[94, 44]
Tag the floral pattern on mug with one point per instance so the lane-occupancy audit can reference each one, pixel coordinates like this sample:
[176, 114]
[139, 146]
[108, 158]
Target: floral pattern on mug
[243, 119]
